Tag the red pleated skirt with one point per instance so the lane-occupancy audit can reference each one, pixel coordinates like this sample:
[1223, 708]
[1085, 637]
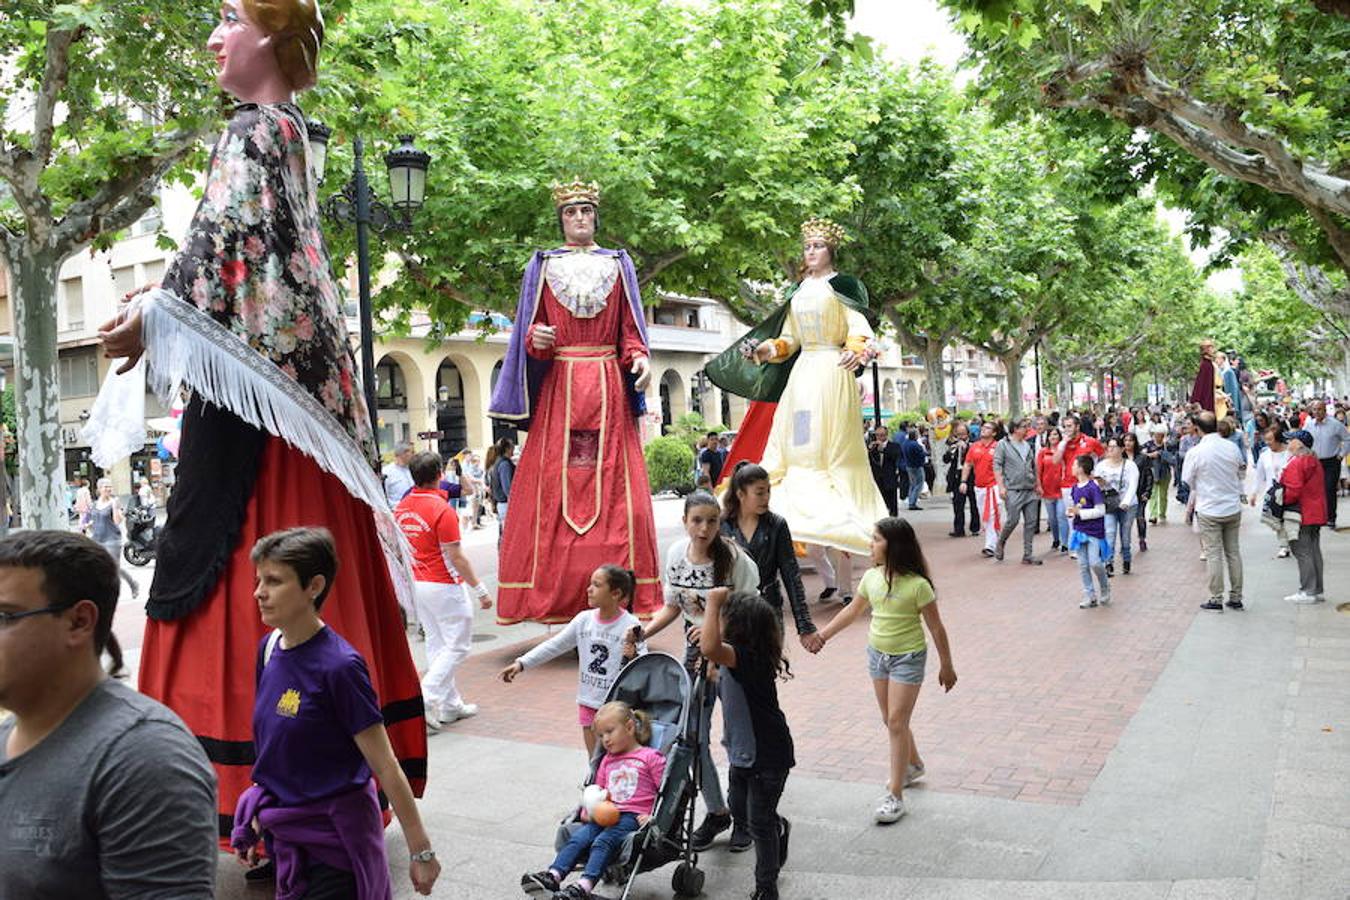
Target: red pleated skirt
[203, 666]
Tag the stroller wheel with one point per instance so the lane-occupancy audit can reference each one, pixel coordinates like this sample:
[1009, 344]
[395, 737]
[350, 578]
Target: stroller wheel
[687, 880]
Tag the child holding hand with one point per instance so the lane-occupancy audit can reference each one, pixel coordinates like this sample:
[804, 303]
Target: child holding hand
[899, 591]
[631, 773]
[605, 636]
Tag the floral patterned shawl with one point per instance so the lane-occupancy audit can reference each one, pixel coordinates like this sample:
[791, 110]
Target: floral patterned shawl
[254, 260]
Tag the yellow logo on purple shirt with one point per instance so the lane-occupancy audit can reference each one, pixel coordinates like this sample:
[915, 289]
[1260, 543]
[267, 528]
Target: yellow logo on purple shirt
[289, 704]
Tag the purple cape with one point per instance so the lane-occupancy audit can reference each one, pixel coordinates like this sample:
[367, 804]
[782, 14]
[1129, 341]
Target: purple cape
[513, 399]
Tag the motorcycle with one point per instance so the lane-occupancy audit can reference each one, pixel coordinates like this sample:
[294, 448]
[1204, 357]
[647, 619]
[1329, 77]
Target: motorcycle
[142, 535]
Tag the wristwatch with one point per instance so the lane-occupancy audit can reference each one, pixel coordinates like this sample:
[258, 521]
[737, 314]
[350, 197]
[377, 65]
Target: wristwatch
[423, 857]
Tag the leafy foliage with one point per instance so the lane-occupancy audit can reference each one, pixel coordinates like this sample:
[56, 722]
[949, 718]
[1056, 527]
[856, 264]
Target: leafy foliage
[670, 464]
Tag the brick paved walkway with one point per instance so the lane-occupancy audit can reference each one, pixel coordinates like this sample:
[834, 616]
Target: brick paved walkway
[1045, 688]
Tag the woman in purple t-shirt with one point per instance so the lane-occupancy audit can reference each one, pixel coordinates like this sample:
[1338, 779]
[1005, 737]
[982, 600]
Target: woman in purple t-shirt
[1088, 540]
[319, 736]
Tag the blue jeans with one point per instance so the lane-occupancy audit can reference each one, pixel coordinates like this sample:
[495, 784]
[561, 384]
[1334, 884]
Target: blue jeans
[916, 483]
[1119, 530]
[604, 844]
[1054, 515]
[1089, 563]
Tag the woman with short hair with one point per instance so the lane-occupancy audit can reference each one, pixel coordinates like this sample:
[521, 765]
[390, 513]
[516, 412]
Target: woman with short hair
[318, 738]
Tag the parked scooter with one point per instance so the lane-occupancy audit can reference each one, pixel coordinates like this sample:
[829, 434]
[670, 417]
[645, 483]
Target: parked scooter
[142, 535]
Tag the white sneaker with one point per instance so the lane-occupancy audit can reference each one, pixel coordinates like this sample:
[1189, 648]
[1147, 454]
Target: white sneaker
[456, 711]
[890, 810]
[1106, 600]
[1299, 597]
[1087, 603]
[913, 773]
[434, 722]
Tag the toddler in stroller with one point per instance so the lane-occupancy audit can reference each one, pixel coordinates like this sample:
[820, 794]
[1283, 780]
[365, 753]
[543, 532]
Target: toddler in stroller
[631, 773]
[658, 688]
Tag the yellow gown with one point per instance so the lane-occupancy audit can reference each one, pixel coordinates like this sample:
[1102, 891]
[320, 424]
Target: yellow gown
[815, 456]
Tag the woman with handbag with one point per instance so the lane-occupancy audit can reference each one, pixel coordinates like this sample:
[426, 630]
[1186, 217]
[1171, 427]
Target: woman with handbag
[1119, 480]
[1305, 498]
[1269, 468]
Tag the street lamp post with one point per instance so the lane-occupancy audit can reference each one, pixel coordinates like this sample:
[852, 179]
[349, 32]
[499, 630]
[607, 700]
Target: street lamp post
[356, 204]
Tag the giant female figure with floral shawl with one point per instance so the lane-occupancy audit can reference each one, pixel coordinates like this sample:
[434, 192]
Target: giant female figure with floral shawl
[276, 434]
[804, 359]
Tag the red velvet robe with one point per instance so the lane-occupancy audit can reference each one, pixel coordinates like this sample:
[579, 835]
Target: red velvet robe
[580, 497]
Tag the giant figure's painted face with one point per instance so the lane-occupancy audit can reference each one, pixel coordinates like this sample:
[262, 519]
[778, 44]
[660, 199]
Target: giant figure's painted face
[244, 54]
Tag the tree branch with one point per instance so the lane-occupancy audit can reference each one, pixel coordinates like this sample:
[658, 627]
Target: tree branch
[655, 265]
[419, 275]
[87, 218]
[1140, 97]
[55, 73]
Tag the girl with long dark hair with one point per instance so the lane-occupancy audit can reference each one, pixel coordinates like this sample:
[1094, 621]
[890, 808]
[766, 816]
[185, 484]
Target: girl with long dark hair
[697, 564]
[765, 535]
[744, 636]
[899, 591]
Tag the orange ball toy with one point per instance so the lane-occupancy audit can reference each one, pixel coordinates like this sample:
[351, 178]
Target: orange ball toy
[605, 814]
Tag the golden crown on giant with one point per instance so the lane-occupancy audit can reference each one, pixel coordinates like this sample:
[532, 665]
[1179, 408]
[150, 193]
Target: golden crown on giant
[577, 191]
[825, 230]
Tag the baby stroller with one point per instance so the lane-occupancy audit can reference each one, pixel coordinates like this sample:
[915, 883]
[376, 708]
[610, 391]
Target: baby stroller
[658, 684]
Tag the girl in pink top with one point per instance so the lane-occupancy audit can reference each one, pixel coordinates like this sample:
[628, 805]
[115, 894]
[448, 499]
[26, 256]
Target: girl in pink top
[631, 773]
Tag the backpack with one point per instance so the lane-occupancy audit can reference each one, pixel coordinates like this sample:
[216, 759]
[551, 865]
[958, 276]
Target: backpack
[1273, 505]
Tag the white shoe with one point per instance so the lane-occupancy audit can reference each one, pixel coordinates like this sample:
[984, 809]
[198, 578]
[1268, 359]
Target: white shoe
[890, 810]
[455, 712]
[913, 773]
[434, 722]
[1106, 600]
[1087, 603]
[1301, 598]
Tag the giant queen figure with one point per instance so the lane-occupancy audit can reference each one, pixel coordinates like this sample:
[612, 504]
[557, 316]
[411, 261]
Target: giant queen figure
[574, 377]
[805, 426]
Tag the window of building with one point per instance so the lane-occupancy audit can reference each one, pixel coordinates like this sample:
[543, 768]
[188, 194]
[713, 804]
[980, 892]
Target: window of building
[150, 221]
[124, 281]
[72, 303]
[390, 390]
[79, 373]
[691, 318]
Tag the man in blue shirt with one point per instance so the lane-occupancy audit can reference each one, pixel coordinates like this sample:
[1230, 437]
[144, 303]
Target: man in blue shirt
[915, 457]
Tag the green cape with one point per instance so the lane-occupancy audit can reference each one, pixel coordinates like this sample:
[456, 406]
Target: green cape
[732, 372]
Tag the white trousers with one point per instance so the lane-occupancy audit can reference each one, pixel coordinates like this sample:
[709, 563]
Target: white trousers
[991, 514]
[446, 614]
[835, 567]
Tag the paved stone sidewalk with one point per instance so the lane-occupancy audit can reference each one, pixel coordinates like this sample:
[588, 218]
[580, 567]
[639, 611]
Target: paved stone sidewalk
[1141, 751]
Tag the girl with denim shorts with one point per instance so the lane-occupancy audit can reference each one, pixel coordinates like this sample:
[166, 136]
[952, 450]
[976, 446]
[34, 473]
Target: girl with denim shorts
[899, 591]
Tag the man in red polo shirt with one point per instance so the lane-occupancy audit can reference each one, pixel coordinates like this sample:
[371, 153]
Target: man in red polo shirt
[980, 459]
[1074, 445]
[439, 571]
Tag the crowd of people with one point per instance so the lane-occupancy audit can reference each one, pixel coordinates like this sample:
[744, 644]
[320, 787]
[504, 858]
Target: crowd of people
[276, 687]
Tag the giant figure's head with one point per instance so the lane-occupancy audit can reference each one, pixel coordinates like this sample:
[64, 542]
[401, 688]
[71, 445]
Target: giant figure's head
[267, 49]
[578, 206]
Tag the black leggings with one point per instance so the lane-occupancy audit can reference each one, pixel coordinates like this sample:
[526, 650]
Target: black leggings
[753, 796]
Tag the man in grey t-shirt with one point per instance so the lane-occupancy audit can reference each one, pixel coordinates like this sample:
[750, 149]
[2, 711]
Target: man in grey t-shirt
[103, 792]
